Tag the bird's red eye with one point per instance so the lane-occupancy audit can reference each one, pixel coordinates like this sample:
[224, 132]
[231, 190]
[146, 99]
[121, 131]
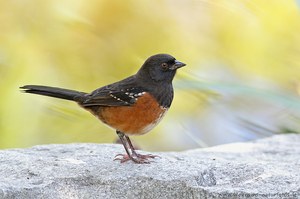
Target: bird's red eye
[164, 66]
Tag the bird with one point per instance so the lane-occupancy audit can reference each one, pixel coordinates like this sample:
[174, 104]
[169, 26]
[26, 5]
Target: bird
[132, 106]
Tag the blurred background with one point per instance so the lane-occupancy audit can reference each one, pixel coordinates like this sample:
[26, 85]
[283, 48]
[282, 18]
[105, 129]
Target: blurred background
[241, 82]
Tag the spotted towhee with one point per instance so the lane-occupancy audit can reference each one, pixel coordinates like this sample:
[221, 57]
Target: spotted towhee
[132, 106]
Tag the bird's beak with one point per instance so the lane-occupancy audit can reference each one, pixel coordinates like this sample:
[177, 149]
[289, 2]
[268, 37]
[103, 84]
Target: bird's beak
[177, 65]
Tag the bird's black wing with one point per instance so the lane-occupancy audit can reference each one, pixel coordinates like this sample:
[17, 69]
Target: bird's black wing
[122, 93]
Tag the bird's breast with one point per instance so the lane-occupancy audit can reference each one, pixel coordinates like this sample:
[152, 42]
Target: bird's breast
[137, 119]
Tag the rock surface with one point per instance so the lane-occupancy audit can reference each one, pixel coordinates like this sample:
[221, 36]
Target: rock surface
[267, 168]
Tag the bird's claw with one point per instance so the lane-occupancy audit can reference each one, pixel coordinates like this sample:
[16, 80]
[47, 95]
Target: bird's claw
[136, 158]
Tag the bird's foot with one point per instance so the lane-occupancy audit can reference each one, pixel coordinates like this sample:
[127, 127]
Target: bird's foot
[136, 158]
[145, 157]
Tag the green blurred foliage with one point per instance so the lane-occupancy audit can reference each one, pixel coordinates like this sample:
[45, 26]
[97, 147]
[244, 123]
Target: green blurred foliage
[83, 45]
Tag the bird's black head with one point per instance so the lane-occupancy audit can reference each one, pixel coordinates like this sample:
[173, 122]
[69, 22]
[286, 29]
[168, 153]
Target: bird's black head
[160, 67]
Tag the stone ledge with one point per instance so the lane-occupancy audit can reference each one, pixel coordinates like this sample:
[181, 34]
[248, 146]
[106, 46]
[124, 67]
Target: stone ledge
[267, 168]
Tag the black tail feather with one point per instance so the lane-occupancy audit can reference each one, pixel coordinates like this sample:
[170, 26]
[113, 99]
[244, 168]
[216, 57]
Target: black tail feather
[53, 92]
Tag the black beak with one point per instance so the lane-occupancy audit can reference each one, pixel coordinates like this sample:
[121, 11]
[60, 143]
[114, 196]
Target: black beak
[177, 65]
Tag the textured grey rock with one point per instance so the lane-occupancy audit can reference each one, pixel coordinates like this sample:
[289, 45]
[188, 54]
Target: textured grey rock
[267, 168]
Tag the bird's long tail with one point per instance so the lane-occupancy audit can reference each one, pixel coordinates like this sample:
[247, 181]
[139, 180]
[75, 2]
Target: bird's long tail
[54, 92]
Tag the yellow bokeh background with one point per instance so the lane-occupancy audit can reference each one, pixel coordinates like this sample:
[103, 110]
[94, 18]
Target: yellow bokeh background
[232, 49]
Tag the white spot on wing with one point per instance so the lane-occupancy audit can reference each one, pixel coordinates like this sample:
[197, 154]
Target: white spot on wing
[134, 95]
